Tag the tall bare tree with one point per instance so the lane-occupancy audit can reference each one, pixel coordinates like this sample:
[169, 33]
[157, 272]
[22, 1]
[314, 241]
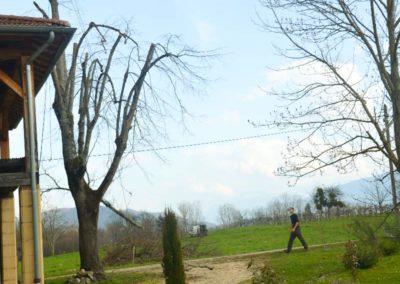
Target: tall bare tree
[108, 95]
[229, 216]
[190, 213]
[54, 227]
[347, 52]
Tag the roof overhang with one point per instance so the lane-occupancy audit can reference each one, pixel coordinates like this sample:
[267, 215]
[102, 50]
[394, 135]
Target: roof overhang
[21, 37]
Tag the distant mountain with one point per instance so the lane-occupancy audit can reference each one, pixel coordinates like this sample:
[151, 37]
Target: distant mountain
[356, 189]
[106, 216]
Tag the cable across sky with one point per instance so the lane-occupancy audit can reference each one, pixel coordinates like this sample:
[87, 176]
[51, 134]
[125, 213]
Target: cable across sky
[172, 147]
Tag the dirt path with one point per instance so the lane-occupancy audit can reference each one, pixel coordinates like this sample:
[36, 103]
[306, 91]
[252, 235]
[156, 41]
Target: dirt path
[219, 270]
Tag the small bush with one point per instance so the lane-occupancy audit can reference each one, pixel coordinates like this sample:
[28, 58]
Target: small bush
[364, 232]
[265, 274]
[367, 256]
[350, 258]
[388, 246]
[392, 231]
[359, 256]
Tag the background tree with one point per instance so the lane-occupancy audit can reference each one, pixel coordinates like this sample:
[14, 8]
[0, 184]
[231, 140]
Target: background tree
[307, 212]
[190, 213]
[174, 271]
[229, 216]
[334, 195]
[105, 99]
[54, 227]
[375, 194]
[320, 200]
[347, 52]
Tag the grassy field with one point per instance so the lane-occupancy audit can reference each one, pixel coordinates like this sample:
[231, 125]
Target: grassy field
[268, 237]
[322, 265]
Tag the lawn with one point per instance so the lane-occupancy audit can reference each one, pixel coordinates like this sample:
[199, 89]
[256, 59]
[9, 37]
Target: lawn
[322, 264]
[268, 237]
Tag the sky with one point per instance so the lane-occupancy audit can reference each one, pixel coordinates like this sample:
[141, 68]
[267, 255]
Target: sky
[239, 172]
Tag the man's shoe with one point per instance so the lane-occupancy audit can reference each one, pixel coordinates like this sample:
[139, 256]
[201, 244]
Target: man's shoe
[306, 249]
[286, 251]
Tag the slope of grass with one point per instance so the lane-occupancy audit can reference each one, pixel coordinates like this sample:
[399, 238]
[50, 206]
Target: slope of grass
[235, 241]
[324, 265]
[268, 237]
[63, 264]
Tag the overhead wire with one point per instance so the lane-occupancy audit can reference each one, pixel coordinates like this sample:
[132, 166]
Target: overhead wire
[182, 146]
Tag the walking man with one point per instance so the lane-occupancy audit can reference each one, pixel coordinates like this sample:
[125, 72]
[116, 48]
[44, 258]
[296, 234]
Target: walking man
[295, 231]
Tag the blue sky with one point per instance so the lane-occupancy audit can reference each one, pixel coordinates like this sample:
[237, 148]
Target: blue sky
[240, 173]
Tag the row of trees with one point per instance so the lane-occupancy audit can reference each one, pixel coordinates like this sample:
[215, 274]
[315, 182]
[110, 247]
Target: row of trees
[122, 241]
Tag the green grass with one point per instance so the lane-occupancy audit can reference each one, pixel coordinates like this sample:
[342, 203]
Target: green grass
[121, 278]
[317, 265]
[324, 265]
[63, 264]
[268, 237]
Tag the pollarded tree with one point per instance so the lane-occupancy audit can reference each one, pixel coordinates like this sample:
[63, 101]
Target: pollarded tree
[109, 95]
[347, 53]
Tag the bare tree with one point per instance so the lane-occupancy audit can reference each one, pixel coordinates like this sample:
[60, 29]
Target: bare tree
[110, 96]
[376, 194]
[347, 52]
[183, 209]
[54, 227]
[190, 213]
[229, 216]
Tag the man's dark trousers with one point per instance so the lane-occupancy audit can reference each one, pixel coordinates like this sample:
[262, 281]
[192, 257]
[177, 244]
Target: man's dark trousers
[293, 235]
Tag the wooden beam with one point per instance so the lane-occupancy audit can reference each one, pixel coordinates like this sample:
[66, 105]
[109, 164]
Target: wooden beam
[10, 53]
[10, 83]
[14, 179]
[4, 138]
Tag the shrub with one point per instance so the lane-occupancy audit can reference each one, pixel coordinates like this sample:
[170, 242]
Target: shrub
[364, 232]
[367, 256]
[172, 261]
[265, 274]
[393, 231]
[359, 256]
[350, 258]
[388, 246]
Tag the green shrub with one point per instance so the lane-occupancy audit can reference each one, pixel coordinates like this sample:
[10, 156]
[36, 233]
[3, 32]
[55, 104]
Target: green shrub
[358, 255]
[350, 258]
[264, 274]
[172, 261]
[392, 231]
[367, 256]
[388, 246]
[364, 232]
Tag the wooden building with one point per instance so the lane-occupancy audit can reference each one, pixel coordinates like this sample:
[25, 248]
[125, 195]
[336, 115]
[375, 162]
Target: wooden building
[29, 50]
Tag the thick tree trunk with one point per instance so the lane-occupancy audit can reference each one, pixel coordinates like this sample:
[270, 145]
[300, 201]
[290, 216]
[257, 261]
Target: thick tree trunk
[87, 207]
